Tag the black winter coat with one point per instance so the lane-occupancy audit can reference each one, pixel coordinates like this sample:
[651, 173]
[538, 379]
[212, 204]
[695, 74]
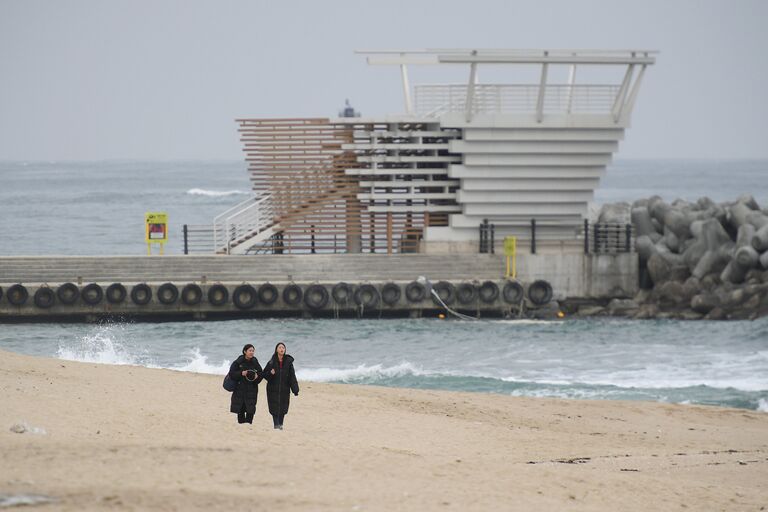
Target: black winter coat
[281, 384]
[246, 392]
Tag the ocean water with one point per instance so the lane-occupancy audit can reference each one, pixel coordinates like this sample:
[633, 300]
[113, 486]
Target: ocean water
[98, 208]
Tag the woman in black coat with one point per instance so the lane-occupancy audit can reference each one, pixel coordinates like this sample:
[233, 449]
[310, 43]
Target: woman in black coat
[247, 373]
[281, 381]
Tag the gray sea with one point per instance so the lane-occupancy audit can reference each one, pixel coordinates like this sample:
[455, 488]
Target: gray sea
[98, 208]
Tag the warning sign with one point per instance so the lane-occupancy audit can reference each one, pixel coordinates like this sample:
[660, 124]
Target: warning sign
[156, 227]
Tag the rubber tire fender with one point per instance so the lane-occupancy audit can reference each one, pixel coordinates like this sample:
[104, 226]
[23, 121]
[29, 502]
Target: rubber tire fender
[268, 293]
[44, 297]
[415, 291]
[141, 294]
[1, 293]
[513, 292]
[316, 296]
[367, 296]
[342, 293]
[488, 292]
[17, 294]
[191, 294]
[466, 293]
[167, 293]
[390, 294]
[240, 294]
[92, 294]
[218, 295]
[68, 293]
[116, 293]
[448, 295]
[540, 292]
[292, 294]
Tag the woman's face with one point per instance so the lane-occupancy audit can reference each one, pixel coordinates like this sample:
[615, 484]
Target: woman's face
[281, 350]
[249, 353]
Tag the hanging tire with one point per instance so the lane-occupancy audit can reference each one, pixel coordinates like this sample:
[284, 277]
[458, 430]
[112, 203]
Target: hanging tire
[168, 293]
[488, 292]
[218, 295]
[116, 293]
[17, 295]
[367, 296]
[292, 294]
[540, 292]
[92, 294]
[244, 296]
[466, 293]
[191, 294]
[415, 292]
[513, 292]
[446, 291]
[390, 294]
[316, 296]
[44, 297]
[68, 293]
[268, 293]
[141, 294]
[342, 293]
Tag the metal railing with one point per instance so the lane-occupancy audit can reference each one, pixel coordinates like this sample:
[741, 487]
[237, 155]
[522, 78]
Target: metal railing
[598, 238]
[198, 238]
[435, 100]
[242, 222]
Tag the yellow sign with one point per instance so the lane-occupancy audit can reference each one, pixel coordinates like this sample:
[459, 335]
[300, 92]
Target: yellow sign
[156, 229]
[510, 251]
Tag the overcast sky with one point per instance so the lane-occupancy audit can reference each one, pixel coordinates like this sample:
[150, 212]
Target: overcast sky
[157, 79]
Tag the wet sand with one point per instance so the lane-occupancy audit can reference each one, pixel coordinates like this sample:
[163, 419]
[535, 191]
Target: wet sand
[131, 438]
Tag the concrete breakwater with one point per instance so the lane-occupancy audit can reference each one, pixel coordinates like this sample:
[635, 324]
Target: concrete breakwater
[696, 259]
[89, 289]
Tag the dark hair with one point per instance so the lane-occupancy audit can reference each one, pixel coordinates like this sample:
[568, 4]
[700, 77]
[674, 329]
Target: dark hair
[278, 344]
[246, 347]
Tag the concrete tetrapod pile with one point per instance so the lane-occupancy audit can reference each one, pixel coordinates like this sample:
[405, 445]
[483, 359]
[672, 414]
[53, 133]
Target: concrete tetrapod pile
[697, 259]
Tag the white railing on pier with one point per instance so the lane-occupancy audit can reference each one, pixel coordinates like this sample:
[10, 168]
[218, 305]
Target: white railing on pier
[242, 222]
[436, 100]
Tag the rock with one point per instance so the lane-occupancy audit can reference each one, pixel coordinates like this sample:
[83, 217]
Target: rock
[659, 269]
[716, 314]
[689, 315]
[641, 219]
[590, 310]
[691, 286]
[712, 261]
[737, 214]
[679, 273]
[615, 213]
[757, 219]
[710, 282]
[760, 239]
[754, 276]
[645, 247]
[622, 307]
[763, 259]
[733, 273]
[671, 240]
[749, 201]
[642, 296]
[670, 292]
[746, 257]
[646, 311]
[677, 222]
[18, 428]
[704, 302]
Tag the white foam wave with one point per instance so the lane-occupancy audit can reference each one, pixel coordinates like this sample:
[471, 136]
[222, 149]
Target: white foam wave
[216, 193]
[100, 347]
[762, 405]
[198, 363]
[360, 373]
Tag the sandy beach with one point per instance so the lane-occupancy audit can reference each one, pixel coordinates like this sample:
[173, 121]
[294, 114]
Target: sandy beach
[132, 438]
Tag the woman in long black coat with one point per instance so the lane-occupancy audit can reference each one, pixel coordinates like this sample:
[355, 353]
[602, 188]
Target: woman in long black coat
[247, 373]
[281, 381]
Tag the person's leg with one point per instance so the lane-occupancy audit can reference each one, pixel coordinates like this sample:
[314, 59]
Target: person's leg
[249, 417]
[280, 420]
[276, 420]
[241, 414]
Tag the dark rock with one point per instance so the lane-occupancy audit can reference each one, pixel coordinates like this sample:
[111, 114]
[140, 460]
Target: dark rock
[622, 307]
[591, 311]
[704, 302]
[659, 269]
[716, 314]
[646, 311]
[670, 292]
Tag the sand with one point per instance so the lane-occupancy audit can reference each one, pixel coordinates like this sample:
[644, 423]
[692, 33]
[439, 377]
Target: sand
[132, 438]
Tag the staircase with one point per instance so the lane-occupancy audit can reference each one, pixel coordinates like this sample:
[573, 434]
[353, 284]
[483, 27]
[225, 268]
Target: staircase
[244, 225]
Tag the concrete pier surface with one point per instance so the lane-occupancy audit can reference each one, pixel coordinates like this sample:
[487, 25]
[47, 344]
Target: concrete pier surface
[197, 287]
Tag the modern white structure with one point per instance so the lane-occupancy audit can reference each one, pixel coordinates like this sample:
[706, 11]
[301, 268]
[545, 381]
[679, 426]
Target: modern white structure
[532, 145]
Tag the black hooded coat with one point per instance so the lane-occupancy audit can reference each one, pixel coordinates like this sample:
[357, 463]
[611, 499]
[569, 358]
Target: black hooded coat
[281, 384]
[246, 392]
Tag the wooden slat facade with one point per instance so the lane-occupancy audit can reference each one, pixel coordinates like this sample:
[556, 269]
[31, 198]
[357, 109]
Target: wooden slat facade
[313, 168]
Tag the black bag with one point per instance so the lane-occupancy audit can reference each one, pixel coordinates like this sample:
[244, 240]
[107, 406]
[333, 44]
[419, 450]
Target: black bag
[229, 384]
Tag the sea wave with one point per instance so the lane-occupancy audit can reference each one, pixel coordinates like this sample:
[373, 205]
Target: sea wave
[216, 193]
[359, 373]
